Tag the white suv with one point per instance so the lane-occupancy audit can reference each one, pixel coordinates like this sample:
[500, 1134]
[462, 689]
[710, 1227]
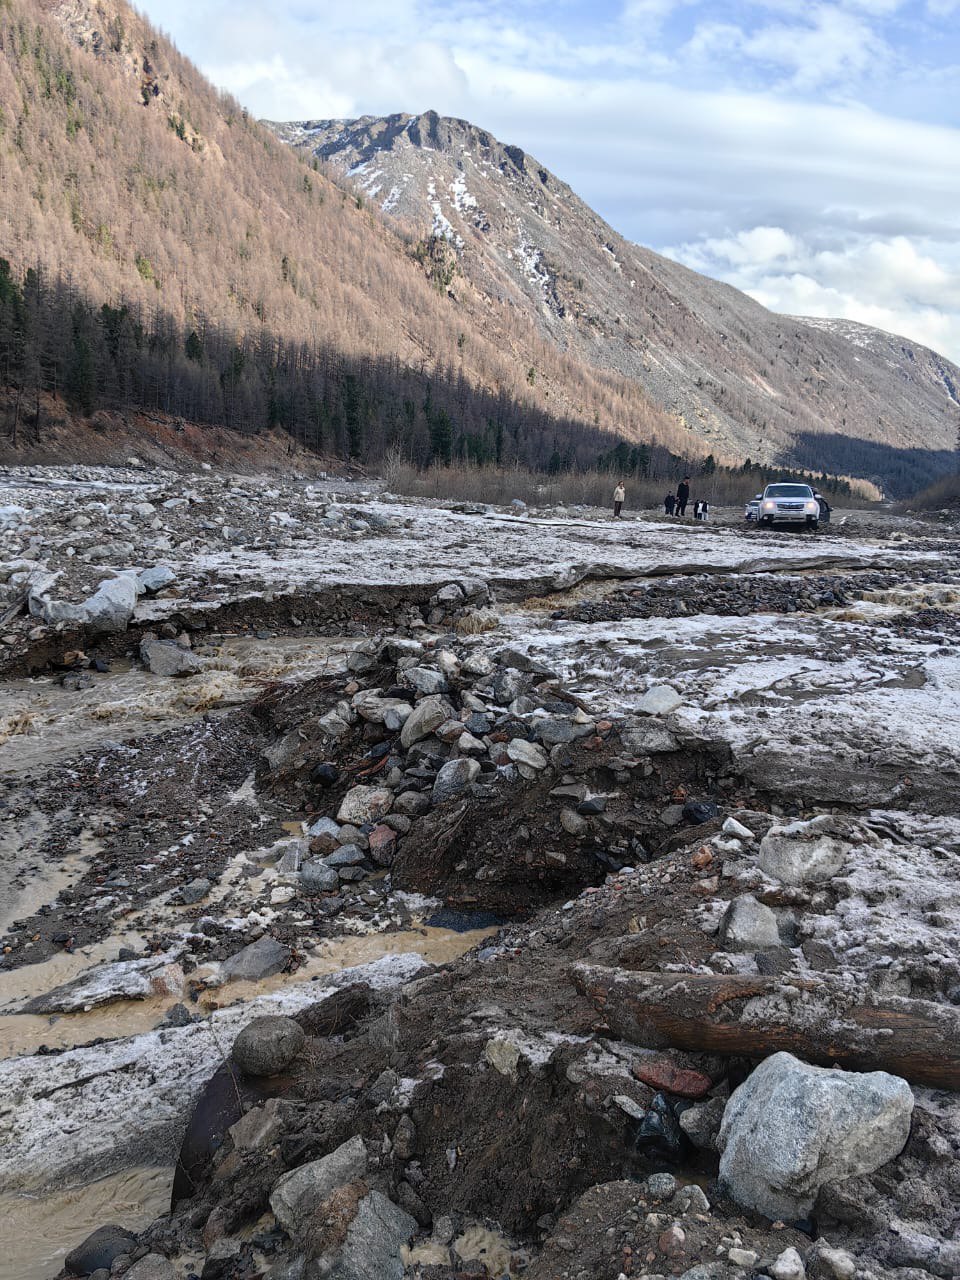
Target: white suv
[789, 504]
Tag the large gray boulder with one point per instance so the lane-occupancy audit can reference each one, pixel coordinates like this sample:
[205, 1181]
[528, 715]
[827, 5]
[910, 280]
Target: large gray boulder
[364, 804]
[261, 959]
[371, 1250]
[749, 925]
[164, 658]
[266, 1046]
[299, 1192]
[803, 852]
[110, 607]
[426, 716]
[790, 1128]
[455, 776]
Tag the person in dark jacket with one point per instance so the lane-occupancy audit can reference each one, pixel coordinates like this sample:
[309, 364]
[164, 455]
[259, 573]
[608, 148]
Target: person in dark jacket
[669, 503]
[683, 496]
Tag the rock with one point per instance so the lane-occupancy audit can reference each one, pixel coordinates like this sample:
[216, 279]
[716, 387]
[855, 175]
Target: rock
[673, 1241]
[701, 1124]
[690, 1199]
[788, 1266]
[109, 609]
[323, 775]
[317, 877]
[167, 659]
[827, 1263]
[746, 1258]
[412, 802]
[476, 665]
[660, 1186]
[374, 1240]
[527, 756]
[455, 776]
[99, 1250]
[552, 730]
[425, 680]
[299, 1193]
[383, 845]
[261, 959]
[573, 823]
[365, 804]
[659, 701]
[791, 1127]
[107, 983]
[259, 1128]
[155, 579]
[732, 827]
[748, 925]
[348, 855]
[802, 852]
[648, 738]
[324, 827]
[153, 1267]
[426, 716]
[195, 891]
[266, 1046]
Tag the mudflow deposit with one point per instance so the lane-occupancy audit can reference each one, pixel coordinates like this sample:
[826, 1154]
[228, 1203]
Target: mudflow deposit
[403, 891]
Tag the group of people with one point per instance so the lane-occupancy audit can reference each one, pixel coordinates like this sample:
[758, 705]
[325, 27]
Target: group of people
[674, 504]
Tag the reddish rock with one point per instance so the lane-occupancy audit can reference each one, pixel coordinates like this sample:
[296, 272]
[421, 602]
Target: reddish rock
[702, 858]
[673, 1242]
[661, 1073]
[383, 845]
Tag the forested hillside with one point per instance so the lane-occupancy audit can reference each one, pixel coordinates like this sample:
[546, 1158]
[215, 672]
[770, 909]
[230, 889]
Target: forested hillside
[166, 250]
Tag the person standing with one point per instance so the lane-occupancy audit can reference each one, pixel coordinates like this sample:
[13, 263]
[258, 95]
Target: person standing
[619, 494]
[683, 496]
[669, 503]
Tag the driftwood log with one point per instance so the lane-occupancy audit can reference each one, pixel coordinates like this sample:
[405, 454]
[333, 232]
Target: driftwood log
[819, 1019]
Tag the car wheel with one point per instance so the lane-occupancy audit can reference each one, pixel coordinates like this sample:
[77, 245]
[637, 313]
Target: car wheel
[812, 524]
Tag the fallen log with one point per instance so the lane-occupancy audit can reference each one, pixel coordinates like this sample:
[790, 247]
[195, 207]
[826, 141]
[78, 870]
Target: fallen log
[822, 1019]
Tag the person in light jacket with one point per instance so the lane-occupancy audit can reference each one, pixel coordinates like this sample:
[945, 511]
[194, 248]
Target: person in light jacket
[619, 494]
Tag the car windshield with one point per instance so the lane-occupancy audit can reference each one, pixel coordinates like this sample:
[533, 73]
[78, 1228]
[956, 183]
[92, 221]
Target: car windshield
[789, 491]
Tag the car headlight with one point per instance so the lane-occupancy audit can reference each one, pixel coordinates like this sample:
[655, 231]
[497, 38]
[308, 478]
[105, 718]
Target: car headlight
[813, 506]
[769, 506]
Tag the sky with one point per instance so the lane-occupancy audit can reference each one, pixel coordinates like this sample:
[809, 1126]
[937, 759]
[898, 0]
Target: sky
[806, 151]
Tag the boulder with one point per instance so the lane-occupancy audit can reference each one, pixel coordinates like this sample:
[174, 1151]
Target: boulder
[749, 925]
[791, 1127]
[317, 877]
[426, 716]
[301, 1191]
[659, 701]
[529, 758]
[155, 579]
[261, 959]
[374, 1240]
[555, 730]
[260, 1127]
[455, 776]
[365, 804]
[164, 658]
[383, 845]
[109, 609]
[153, 1267]
[266, 1046]
[99, 1250]
[425, 680]
[802, 852]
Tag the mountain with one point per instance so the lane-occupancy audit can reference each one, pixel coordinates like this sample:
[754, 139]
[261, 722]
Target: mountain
[166, 251]
[747, 381]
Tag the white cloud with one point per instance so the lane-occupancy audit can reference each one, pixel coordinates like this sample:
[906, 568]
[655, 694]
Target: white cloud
[889, 283]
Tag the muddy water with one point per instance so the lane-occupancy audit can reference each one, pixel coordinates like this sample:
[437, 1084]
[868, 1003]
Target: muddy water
[41, 721]
[36, 1232]
[25, 1033]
